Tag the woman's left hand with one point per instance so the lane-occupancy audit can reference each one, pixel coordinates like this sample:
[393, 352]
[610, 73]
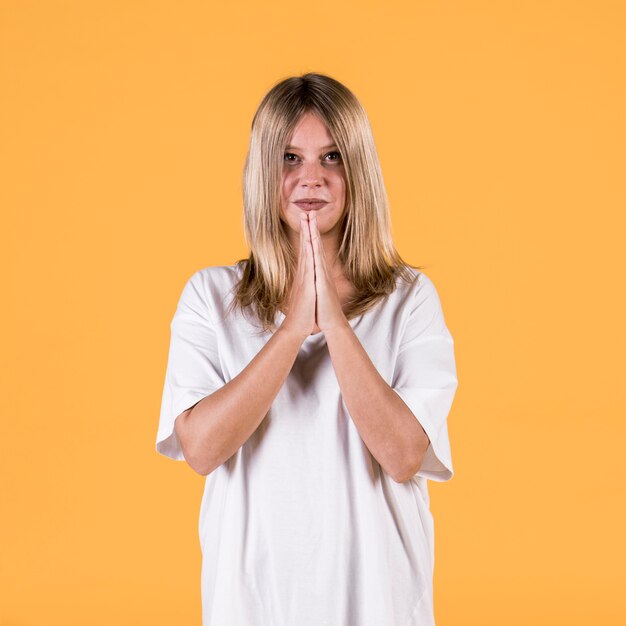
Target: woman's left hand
[329, 313]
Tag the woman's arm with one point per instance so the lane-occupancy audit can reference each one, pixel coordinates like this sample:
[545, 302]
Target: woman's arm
[392, 434]
[387, 426]
[212, 430]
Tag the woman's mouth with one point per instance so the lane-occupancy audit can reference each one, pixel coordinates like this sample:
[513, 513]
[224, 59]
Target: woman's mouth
[311, 206]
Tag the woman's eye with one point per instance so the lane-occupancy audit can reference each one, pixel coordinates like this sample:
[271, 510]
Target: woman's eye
[287, 157]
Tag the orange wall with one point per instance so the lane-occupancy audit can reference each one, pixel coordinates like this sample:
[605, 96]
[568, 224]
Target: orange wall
[501, 132]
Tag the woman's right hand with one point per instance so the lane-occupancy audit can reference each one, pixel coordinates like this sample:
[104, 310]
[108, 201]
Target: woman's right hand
[300, 318]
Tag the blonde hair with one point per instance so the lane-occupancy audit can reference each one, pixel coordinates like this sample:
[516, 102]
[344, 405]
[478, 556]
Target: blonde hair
[367, 253]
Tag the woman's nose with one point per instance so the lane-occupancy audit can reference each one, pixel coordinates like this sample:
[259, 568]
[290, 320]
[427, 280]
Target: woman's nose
[312, 174]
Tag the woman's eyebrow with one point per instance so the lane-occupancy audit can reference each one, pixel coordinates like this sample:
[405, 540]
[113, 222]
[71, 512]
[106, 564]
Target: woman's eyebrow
[332, 145]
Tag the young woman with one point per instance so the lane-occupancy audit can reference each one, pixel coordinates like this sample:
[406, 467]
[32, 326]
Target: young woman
[311, 385]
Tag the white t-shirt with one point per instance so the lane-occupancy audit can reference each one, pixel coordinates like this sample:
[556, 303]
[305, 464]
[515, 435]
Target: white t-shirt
[302, 526]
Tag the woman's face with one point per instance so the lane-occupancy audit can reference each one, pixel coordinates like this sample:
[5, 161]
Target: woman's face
[312, 168]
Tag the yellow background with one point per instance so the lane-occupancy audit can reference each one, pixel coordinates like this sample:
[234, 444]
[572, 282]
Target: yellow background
[501, 131]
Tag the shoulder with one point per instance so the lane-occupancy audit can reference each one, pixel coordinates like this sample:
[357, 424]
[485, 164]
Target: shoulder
[209, 285]
[418, 288]
[419, 304]
[425, 287]
[214, 280]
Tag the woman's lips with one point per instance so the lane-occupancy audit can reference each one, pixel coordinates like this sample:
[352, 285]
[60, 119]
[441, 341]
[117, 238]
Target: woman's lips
[310, 206]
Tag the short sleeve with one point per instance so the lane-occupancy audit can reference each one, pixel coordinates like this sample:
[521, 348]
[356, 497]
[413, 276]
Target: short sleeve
[193, 367]
[425, 376]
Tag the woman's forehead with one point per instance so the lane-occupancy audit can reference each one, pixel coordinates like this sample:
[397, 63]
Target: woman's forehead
[310, 129]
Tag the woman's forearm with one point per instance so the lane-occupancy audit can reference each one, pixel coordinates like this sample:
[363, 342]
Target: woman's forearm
[391, 432]
[217, 426]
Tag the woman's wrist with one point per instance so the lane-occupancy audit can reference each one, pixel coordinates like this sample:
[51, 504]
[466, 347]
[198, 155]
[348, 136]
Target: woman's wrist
[285, 331]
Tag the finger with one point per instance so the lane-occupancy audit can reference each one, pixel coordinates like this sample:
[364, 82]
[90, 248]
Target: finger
[302, 251]
[311, 242]
[317, 248]
[307, 244]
